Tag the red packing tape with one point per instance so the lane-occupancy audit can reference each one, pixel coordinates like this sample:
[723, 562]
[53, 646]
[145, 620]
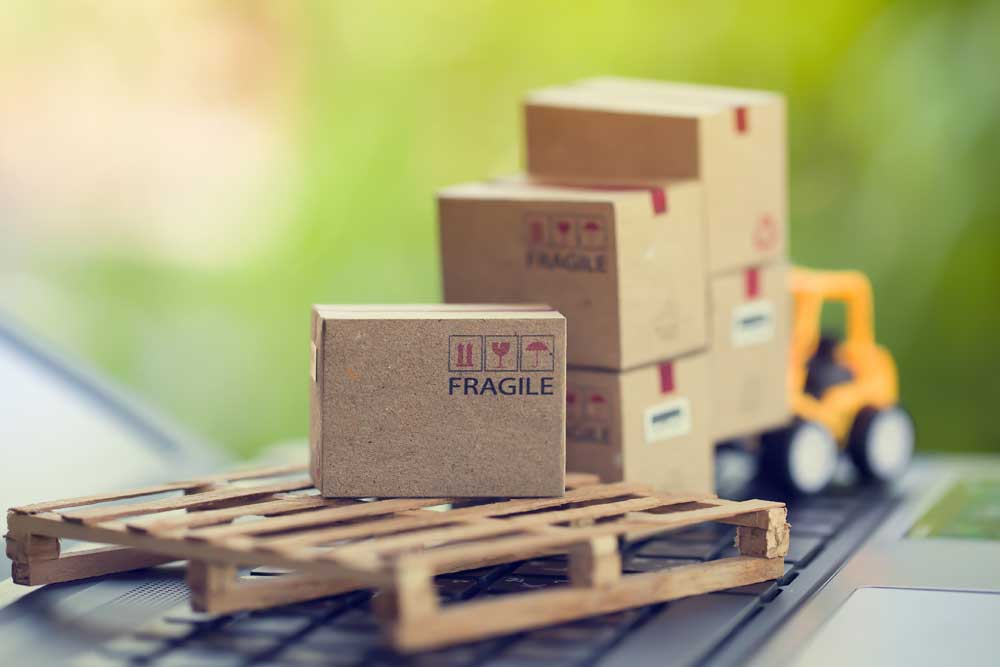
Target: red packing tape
[742, 120]
[666, 377]
[752, 283]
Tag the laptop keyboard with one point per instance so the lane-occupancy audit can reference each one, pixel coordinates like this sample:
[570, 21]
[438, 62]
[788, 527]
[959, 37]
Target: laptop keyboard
[341, 630]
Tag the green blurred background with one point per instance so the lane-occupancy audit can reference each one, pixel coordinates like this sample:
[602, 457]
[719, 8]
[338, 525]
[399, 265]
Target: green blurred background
[179, 181]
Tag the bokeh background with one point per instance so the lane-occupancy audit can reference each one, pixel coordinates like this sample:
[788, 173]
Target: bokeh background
[180, 180]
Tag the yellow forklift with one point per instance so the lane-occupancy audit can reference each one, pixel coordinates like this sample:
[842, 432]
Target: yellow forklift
[843, 390]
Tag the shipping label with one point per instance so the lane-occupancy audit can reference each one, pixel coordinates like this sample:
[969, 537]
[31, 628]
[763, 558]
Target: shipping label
[753, 323]
[670, 419]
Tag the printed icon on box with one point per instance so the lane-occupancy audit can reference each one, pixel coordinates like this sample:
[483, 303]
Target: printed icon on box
[593, 234]
[573, 410]
[501, 353]
[535, 229]
[465, 353]
[596, 406]
[593, 432]
[765, 233]
[562, 232]
[538, 353]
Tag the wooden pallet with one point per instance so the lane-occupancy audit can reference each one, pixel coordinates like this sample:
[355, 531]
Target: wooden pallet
[273, 517]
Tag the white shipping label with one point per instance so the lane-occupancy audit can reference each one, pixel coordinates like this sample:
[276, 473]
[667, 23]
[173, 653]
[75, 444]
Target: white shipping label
[669, 419]
[753, 323]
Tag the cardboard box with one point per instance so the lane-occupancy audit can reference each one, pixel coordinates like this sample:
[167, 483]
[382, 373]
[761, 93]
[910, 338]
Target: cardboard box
[751, 324]
[628, 131]
[626, 267]
[446, 401]
[648, 425]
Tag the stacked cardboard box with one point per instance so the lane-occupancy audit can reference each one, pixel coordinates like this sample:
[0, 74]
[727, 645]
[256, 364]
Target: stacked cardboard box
[654, 218]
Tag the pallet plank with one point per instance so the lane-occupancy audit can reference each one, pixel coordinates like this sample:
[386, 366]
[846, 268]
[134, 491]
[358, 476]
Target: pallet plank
[106, 513]
[316, 517]
[478, 619]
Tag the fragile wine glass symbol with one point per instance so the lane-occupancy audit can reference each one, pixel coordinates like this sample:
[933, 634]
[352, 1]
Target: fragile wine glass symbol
[500, 349]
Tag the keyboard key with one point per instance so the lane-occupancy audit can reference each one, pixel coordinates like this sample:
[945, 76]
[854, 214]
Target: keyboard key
[576, 633]
[281, 625]
[133, 647]
[802, 549]
[544, 567]
[95, 659]
[184, 614]
[198, 657]
[340, 638]
[766, 590]
[161, 628]
[455, 588]
[689, 627]
[358, 618]
[662, 548]
[519, 584]
[458, 656]
[220, 640]
[554, 653]
[636, 564]
[815, 522]
[704, 532]
[618, 619]
[312, 656]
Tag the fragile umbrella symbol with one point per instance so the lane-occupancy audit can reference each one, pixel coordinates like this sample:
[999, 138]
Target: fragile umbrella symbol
[500, 349]
[537, 347]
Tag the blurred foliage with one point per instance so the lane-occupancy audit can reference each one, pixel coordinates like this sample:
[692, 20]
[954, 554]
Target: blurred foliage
[894, 143]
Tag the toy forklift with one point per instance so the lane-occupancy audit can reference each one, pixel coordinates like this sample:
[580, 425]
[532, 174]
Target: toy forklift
[843, 392]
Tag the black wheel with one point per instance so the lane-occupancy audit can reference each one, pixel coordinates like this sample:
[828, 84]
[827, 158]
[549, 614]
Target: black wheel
[881, 442]
[801, 457]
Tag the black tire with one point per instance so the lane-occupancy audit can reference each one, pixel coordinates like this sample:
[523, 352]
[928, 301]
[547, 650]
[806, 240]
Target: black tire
[881, 443]
[802, 458]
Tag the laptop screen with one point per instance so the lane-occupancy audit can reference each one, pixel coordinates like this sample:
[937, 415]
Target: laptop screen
[64, 435]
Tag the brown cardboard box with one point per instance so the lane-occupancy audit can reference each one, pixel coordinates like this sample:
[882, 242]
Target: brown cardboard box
[625, 267]
[749, 350]
[424, 401]
[648, 425]
[628, 131]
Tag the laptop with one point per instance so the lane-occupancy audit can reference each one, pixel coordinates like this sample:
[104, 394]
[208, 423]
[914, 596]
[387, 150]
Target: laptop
[907, 574]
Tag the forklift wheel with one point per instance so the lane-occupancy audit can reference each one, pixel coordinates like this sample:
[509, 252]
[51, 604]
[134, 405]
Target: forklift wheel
[881, 442]
[801, 457]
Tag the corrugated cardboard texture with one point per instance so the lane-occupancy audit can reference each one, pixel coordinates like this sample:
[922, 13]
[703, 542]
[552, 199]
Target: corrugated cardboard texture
[626, 267]
[415, 401]
[647, 425]
[749, 352]
[627, 131]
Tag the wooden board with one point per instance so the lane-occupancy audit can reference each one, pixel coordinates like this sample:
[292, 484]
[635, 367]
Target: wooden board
[273, 517]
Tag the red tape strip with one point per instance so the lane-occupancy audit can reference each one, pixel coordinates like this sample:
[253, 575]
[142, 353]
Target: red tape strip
[666, 377]
[752, 283]
[742, 120]
[657, 195]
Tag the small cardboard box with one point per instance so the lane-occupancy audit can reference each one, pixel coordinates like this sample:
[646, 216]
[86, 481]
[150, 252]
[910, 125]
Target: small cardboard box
[625, 266]
[445, 401]
[749, 350]
[648, 425]
[628, 131]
